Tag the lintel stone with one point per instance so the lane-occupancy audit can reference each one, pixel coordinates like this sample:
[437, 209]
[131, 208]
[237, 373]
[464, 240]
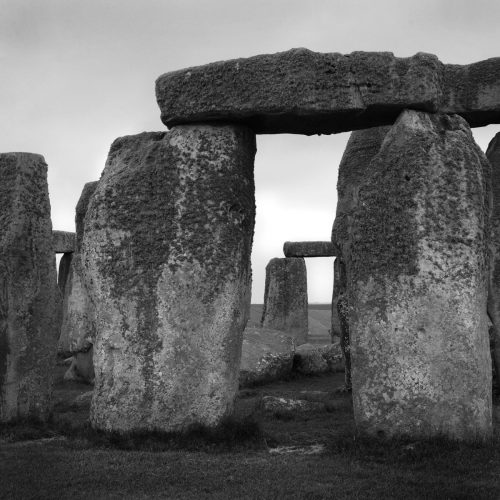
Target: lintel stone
[63, 241]
[309, 249]
[305, 92]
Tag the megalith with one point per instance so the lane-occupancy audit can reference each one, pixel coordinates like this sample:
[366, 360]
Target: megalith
[418, 279]
[166, 254]
[362, 146]
[78, 323]
[285, 298]
[304, 92]
[30, 300]
[493, 155]
[309, 249]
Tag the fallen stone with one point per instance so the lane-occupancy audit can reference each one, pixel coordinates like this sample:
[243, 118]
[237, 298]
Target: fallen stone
[63, 241]
[275, 404]
[332, 354]
[285, 298]
[493, 155]
[81, 368]
[266, 355]
[78, 328]
[418, 278]
[309, 249]
[309, 360]
[29, 296]
[166, 248]
[305, 92]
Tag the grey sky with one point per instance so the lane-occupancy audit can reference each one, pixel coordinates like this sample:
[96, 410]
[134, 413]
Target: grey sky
[77, 74]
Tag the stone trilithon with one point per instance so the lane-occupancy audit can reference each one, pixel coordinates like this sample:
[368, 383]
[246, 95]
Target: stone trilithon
[166, 251]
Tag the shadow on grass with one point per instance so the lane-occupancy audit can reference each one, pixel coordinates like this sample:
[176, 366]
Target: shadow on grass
[230, 435]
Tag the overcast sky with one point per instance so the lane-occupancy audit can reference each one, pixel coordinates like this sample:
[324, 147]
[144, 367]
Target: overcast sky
[76, 74]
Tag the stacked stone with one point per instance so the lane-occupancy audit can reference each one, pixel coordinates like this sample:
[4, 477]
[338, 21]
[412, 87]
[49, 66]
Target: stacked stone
[78, 324]
[166, 251]
[418, 274]
[493, 155]
[29, 296]
[285, 298]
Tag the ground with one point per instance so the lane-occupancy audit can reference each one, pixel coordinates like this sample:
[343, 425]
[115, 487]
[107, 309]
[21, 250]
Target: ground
[293, 455]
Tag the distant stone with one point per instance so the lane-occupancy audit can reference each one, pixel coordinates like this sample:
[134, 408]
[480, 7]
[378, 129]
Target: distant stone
[78, 328]
[332, 354]
[305, 92]
[63, 241]
[276, 404]
[29, 296]
[166, 247]
[418, 276]
[285, 298]
[266, 355]
[64, 270]
[309, 249]
[493, 155]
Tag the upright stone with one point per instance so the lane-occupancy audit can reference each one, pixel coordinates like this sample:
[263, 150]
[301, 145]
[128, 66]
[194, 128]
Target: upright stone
[418, 284]
[355, 165]
[493, 155]
[166, 251]
[78, 324]
[285, 298]
[29, 296]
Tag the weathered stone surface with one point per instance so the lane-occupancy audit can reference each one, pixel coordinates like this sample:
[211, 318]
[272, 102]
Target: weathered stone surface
[166, 248]
[305, 92]
[418, 276]
[285, 298]
[309, 249]
[64, 270]
[266, 355]
[29, 296]
[355, 165]
[276, 404]
[78, 324]
[82, 367]
[63, 241]
[309, 360]
[493, 155]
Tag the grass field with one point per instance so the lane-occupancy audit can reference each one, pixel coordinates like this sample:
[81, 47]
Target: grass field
[261, 455]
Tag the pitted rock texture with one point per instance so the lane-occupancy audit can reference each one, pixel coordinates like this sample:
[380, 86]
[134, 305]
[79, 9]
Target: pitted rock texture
[362, 146]
[312, 359]
[266, 355]
[309, 249]
[78, 324]
[493, 155]
[305, 92]
[63, 241]
[30, 300]
[418, 277]
[285, 298]
[167, 244]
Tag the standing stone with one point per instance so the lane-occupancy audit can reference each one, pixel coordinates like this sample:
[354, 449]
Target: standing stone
[362, 146]
[29, 296]
[493, 155]
[64, 270]
[285, 298]
[78, 324]
[418, 276]
[166, 253]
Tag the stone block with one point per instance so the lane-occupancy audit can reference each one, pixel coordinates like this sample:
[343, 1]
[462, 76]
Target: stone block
[285, 298]
[309, 249]
[63, 241]
[418, 277]
[166, 249]
[305, 92]
[266, 355]
[29, 296]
